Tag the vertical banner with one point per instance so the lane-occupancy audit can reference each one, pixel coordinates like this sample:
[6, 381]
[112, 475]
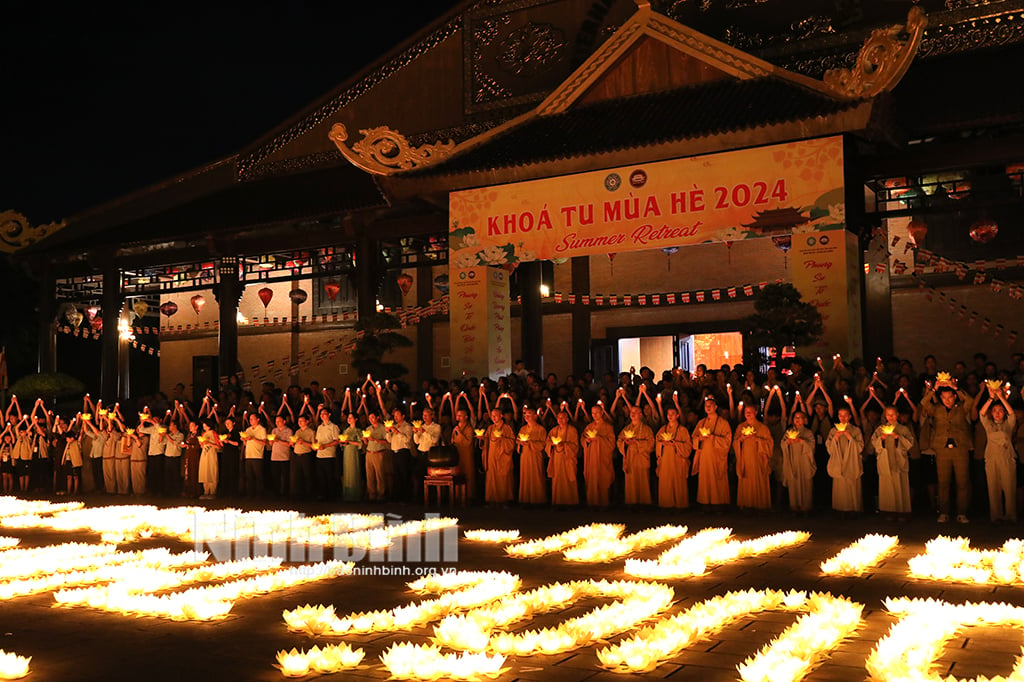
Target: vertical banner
[499, 328]
[480, 323]
[824, 269]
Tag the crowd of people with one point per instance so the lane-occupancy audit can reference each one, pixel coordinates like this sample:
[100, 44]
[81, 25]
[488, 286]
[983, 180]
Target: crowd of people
[805, 436]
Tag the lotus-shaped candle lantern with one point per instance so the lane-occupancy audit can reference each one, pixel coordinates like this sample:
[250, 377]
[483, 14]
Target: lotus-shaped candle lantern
[161, 429]
[748, 430]
[590, 433]
[666, 436]
[792, 434]
[556, 440]
[367, 433]
[627, 434]
[129, 432]
[888, 429]
[417, 423]
[994, 384]
[523, 436]
[294, 440]
[271, 438]
[343, 438]
[479, 432]
[13, 666]
[104, 412]
[86, 417]
[495, 434]
[293, 663]
[389, 423]
[315, 445]
[704, 431]
[840, 427]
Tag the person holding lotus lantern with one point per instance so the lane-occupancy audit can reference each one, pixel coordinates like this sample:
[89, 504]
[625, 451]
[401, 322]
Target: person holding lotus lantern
[352, 443]
[673, 462]
[798, 466]
[752, 444]
[280, 453]
[563, 447]
[892, 442]
[845, 443]
[951, 440]
[255, 440]
[208, 472]
[301, 467]
[498, 445]
[712, 437]
[464, 440]
[376, 440]
[636, 442]
[999, 421]
[531, 442]
[325, 444]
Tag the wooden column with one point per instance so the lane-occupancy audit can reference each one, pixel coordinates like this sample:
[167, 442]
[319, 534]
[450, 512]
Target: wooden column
[47, 297]
[425, 328]
[110, 340]
[531, 316]
[581, 361]
[229, 292]
[367, 281]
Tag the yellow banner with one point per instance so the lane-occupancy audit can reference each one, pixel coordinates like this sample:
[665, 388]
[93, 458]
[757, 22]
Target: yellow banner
[480, 324]
[824, 270]
[720, 197]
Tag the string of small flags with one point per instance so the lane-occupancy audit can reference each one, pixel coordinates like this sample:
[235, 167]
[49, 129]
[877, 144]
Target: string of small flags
[739, 292]
[84, 333]
[964, 314]
[406, 317]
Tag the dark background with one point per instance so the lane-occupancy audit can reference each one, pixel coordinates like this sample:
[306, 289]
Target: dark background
[100, 99]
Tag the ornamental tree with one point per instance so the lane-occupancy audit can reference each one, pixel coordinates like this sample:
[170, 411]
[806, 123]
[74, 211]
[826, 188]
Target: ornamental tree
[374, 339]
[782, 319]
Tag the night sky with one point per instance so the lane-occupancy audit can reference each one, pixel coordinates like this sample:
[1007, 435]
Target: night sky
[100, 99]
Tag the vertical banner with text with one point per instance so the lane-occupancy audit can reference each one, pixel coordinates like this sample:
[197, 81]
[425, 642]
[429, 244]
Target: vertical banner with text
[480, 322]
[825, 270]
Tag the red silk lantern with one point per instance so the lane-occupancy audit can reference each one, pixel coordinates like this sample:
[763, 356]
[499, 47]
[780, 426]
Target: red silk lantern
[298, 296]
[169, 308]
[266, 294]
[197, 302]
[917, 229]
[984, 231]
[332, 289]
[404, 283]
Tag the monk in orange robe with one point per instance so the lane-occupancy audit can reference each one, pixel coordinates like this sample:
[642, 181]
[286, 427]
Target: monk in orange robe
[531, 440]
[498, 444]
[598, 443]
[753, 445]
[464, 440]
[673, 452]
[563, 447]
[636, 442]
[712, 436]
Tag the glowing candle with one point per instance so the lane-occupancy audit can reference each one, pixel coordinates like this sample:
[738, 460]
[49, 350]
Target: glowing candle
[792, 434]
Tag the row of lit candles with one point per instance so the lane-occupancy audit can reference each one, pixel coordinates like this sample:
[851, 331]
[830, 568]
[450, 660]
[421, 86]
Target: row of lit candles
[710, 547]
[559, 542]
[953, 559]
[603, 549]
[910, 648]
[861, 555]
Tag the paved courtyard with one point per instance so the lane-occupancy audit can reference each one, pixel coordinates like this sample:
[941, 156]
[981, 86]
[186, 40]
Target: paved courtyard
[86, 644]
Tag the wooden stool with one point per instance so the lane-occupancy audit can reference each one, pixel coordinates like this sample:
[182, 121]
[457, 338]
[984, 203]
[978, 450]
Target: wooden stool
[456, 485]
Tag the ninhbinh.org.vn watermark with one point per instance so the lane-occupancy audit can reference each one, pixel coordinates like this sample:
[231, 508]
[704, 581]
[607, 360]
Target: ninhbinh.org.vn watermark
[387, 544]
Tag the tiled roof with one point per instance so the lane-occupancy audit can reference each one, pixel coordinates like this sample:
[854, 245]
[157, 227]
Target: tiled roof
[713, 108]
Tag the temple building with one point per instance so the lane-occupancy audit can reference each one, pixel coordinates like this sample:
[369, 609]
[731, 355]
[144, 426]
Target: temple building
[580, 184]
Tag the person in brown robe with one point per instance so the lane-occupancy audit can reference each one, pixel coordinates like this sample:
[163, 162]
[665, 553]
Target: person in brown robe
[531, 439]
[498, 444]
[753, 445]
[598, 443]
[712, 437]
[673, 469]
[193, 450]
[636, 442]
[563, 447]
[464, 440]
